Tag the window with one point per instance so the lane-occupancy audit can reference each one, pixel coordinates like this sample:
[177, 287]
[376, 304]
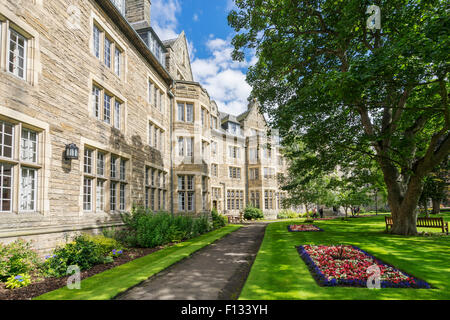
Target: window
[117, 113]
[185, 112]
[234, 128]
[87, 160]
[113, 171]
[6, 142]
[112, 53]
[186, 194]
[96, 101]
[235, 199]
[96, 41]
[189, 113]
[112, 196]
[87, 194]
[155, 189]
[107, 109]
[122, 197]
[214, 170]
[100, 200]
[29, 146]
[120, 5]
[235, 173]
[6, 176]
[100, 164]
[234, 152]
[107, 52]
[255, 199]
[151, 89]
[117, 61]
[18, 160]
[122, 170]
[17, 54]
[268, 173]
[180, 112]
[269, 197]
[155, 137]
[254, 173]
[96, 180]
[185, 143]
[253, 154]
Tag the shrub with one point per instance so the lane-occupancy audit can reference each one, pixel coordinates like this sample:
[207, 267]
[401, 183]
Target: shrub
[83, 251]
[288, 214]
[218, 220]
[106, 245]
[147, 229]
[17, 258]
[252, 213]
[21, 280]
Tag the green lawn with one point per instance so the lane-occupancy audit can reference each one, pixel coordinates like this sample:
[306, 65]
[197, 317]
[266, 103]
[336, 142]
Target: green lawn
[279, 273]
[108, 284]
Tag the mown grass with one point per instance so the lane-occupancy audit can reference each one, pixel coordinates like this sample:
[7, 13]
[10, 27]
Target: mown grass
[108, 284]
[279, 273]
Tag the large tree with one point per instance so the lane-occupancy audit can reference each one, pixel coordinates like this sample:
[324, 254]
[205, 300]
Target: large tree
[323, 76]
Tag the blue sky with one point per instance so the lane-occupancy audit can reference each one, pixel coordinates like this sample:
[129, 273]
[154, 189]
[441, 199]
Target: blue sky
[209, 37]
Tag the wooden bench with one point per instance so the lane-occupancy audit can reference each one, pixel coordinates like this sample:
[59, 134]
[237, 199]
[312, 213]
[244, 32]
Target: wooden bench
[423, 223]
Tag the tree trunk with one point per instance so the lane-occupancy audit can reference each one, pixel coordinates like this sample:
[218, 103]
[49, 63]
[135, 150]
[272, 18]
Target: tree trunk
[436, 206]
[425, 206]
[307, 212]
[403, 210]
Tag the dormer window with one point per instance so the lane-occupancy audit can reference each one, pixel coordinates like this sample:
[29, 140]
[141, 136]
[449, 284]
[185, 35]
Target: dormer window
[234, 128]
[120, 5]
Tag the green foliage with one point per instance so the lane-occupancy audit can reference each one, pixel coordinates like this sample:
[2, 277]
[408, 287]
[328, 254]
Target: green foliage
[252, 213]
[349, 93]
[18, 281]
[84, 251]
[17, 258]
[218, 220]
[289, 214]
[147, 229]
[106, 245]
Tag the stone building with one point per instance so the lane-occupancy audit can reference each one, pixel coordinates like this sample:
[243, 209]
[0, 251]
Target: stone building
[96, 76]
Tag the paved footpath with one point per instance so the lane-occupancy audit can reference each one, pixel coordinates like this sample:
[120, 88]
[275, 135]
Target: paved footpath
[216, 272]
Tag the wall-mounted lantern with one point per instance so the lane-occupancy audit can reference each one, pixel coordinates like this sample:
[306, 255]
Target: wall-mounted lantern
[71, 151]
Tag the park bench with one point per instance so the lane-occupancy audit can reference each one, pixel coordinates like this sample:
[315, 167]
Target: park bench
[423, 223]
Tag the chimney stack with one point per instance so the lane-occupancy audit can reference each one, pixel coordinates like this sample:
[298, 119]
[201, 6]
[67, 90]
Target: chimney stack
[138, 13]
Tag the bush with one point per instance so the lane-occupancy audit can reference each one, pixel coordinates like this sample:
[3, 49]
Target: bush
[288, 214]
[17, 258]
[85, 251]
[81, 252]
[252, 213]
[218, 220]
[147, 229]
[21, 280]
[106, 245]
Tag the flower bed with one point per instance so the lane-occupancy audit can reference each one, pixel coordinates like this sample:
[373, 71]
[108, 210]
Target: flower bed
[329, 218]
[347, 266]
[303, 228]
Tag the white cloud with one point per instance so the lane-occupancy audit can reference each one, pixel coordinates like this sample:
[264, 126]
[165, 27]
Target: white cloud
[195, 17]
[164, 18]
[222, 77]
[231, 5]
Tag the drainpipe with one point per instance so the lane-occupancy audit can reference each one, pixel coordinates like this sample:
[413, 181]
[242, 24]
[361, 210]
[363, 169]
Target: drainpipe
[172, 98]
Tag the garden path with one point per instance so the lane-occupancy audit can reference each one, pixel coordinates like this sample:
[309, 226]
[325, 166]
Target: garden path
[216, 272]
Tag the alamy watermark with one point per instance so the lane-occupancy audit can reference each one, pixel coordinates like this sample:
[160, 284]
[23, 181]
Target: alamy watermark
[74, 281]
[374, 21]
[374, 280]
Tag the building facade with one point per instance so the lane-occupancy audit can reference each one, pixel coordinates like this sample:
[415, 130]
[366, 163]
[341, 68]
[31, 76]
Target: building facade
[95, 75]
